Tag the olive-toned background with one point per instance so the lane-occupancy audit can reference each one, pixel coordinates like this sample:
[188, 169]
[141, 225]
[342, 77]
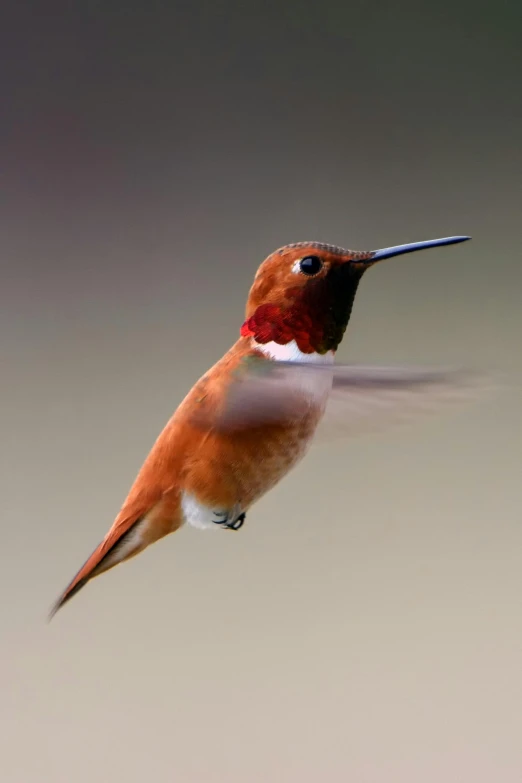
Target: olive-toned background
[366, 624]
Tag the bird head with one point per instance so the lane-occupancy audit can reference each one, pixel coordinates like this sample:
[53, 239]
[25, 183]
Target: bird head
[304, 292]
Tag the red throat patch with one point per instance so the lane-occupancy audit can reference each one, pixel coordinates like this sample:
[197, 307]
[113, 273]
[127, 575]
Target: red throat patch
[271, 323]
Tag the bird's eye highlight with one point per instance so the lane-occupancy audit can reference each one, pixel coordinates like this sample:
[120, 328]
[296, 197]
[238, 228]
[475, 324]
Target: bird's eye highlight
[310, 265]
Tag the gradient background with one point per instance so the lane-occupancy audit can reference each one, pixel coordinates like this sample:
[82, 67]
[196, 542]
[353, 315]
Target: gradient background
[366, 625]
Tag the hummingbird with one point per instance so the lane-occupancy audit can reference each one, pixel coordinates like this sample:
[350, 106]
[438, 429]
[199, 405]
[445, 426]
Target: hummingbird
[253, 415]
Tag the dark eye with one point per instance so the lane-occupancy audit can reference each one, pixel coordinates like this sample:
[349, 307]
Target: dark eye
[310, 265]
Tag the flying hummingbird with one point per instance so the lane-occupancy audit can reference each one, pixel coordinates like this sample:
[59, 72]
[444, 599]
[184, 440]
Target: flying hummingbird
[253, 415]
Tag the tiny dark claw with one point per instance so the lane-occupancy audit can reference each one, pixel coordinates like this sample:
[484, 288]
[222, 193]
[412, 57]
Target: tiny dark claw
[238, 523]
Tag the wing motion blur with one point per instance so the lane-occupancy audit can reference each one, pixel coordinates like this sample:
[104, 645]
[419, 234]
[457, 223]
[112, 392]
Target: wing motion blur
[361, 398]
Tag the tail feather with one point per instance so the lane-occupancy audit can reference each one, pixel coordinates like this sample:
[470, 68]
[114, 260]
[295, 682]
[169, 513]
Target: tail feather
[111, 551]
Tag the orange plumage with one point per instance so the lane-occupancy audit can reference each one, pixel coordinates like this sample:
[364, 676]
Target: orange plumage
[208, 468]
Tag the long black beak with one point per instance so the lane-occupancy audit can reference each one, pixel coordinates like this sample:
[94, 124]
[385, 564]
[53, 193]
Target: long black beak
[398, 250]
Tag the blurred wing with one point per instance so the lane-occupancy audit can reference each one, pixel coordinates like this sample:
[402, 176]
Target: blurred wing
[360, 398]
[372, 399]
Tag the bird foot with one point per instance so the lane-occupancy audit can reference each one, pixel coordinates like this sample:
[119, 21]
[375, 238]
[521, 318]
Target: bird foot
[237, 523]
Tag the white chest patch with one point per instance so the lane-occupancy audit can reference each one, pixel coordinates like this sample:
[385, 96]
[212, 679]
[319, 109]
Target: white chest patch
[317, 386]
[291, 353]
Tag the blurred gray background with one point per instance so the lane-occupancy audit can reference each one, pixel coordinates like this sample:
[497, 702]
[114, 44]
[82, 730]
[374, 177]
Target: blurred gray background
[366, 625]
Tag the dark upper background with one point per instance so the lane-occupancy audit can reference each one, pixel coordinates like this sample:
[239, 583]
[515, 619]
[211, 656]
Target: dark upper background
[366, 623]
